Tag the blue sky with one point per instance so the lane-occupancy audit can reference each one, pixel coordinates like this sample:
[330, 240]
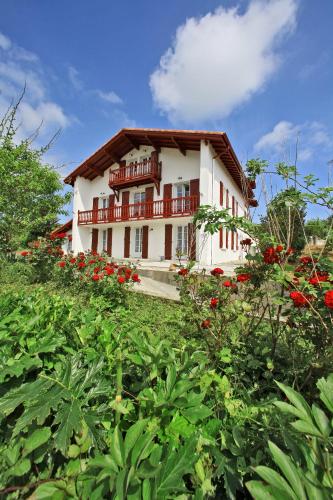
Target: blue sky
[261, 70]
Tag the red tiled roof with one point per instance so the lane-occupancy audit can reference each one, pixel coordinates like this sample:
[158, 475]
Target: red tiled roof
[64, 228]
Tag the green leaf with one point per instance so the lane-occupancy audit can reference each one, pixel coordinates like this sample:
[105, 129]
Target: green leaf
[117, 448]
[298, 401]
[288, 469]
[132, 435]
[175, 465]
[321, 421]
[146, 490]
[54, 490]
[260, 491]
[197, 413]
[69, 417]
[36, 439]
[306, 428]
[273, 478]
[326, 391]
[19, 469]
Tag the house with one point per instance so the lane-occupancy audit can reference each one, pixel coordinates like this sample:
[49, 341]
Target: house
[64, 230]
[135, 197]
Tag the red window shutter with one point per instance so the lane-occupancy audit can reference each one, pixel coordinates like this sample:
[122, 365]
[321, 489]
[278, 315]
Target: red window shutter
[227, 199]
[111, 208]
[191, 241]
[236, 208]
[237, 246]
[94, 240]
[149, 197]
[227, 238]
[167, 195]
[221, 237]
[221, 193]
[195, 191]
[233, 209]
[109, 242]
[127, 240]
[95, 208]
[145, 233]
[232, 240]
[168, 242]
[125, 203]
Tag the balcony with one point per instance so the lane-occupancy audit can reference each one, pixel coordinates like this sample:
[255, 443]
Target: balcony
[173, 207]
[136, 174]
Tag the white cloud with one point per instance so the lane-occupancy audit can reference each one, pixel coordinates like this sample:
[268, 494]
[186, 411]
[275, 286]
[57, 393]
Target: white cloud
[77, 83]
[111, 97]
[20, 68]
[73, 76]
[285, 136]
[218, 61]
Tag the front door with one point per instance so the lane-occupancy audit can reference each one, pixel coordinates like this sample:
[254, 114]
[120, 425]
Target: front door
[138, 242]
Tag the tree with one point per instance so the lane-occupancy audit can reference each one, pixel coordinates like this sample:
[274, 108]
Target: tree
[31, 197]
[322, 229]
[285, 218]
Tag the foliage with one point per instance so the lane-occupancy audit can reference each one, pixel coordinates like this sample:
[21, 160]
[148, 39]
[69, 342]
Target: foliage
[322, 229]
[306, 471]
[31, 197]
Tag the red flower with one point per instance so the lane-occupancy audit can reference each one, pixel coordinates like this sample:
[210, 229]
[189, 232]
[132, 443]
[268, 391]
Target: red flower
[328, 299]
[92, 261]
[299, 299]
[121, 279]
[217, 271]
[97, 270]
[95, 277]
[319, 278]
[227, 283]
[205, 324]
[295, 280]
[243, 277]
[24, 253]
[136, 278]
[72, 261]
[81, 265]
[306, 259]
[289, 251]
[270, 256]
[214, 302]
[109, 271]
[62, 263]
[183, 272]
[279, 248]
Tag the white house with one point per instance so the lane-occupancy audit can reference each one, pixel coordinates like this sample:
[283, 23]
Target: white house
[136, 195]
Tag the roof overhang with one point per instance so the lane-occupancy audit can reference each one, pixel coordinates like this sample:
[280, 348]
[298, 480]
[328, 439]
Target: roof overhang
[63, 229]
[183, 140]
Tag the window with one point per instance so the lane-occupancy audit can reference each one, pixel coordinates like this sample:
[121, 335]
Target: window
[105, 241]
[182, 190]
[139, 197]
[221, 193]
[104, 203]
[182, 233]
[138, 240]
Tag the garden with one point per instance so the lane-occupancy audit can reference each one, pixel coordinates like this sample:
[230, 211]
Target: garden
[106, 393]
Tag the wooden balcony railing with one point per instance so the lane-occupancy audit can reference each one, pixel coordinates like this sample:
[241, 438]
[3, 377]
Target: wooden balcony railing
[135, 174]
[173, 207]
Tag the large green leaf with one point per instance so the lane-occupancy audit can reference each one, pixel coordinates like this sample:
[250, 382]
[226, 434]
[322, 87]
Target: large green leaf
[289, 470]
[36, 439]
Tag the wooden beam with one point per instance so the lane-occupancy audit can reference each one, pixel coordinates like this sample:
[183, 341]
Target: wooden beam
[112, 156]
[134, 146]
[95, 169]
[176, 143]
[157, 148]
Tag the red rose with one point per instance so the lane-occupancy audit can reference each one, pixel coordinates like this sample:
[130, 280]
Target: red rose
[289, 251]
[136, 278]
[81, 265]
[328, 299]
[306, 259]
[24, 253]
[214, 302]
[109, 271]
[62, 263]
[205, 324]
[243, 277]
[270, 256]
[299, 299]
[121, 279]
[95, 277]
[183, 272]
[92, 261]
[246, 242]
[227, 283]
[97, 270]
[217, 271]
[279, 248]
[72, 261]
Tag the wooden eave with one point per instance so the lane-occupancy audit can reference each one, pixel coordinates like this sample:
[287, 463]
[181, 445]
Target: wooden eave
[183, 140]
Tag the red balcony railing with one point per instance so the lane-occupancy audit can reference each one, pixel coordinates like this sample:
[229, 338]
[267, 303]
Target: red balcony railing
[173, 207]
[136, 173]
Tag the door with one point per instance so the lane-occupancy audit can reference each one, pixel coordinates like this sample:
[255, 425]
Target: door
[139, 207]
[138, 233]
